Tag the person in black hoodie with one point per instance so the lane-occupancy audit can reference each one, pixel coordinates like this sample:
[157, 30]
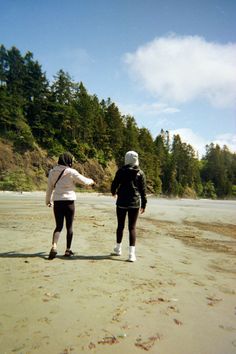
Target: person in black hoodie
[129, 185]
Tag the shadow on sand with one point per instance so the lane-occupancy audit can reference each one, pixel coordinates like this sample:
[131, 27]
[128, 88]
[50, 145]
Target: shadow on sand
[43, 255]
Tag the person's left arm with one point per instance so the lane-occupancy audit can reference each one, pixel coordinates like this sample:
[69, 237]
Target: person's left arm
[49, 191]
[142, 190]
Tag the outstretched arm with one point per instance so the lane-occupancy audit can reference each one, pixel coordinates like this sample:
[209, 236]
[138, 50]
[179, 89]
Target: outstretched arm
[78, 178]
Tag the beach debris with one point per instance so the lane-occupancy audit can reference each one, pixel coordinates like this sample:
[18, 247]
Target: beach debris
[119, 312]
[125, 326]
[50, 296]
[108, 340]
[213, 300]
[148, 343]
[156, 301]
[178, 322]
[91, 345]
[67, 350]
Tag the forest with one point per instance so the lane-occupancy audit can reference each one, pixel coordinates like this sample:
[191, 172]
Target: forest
[38, 115]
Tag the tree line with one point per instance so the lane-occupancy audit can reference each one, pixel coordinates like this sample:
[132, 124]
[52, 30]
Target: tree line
[62, 115]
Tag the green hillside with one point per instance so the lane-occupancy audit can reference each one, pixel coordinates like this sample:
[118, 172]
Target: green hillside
[39, 120]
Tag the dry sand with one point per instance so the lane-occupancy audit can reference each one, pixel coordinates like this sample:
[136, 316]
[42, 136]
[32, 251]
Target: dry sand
[179, 297]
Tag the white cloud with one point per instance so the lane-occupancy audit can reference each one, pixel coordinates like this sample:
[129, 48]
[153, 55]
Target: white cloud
[147, 109]
[199, 143]
[182, 69]
[189, 137]
[227, 139]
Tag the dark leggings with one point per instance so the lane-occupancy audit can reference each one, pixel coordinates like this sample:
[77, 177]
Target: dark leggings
[64, 209]
[132, 219]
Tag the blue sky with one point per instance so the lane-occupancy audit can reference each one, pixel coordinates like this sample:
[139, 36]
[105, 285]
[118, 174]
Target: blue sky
[171, 64]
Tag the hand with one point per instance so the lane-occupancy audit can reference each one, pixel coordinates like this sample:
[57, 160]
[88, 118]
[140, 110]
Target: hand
[94, 185]
[142, 210]
[49, 204]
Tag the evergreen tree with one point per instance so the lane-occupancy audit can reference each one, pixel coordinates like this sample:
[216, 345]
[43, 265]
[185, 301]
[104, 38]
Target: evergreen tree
[100, 132]
[59, 112]
[161, 151]
[36, 91]
[85, 111]
[115, 129]
[15, 72]
[185, 165]
[218, 169]
[3, 66]
[149, 160]
[130, 135]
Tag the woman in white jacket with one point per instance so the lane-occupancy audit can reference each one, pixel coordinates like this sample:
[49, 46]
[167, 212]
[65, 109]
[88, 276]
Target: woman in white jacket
[61, 194]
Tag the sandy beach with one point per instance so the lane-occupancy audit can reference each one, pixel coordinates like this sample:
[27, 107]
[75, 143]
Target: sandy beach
[179, 297]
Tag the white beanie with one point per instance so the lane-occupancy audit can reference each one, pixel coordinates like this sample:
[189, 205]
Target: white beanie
[131, 158]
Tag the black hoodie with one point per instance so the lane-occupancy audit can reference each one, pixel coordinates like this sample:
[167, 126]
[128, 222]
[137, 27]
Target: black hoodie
[130, 186]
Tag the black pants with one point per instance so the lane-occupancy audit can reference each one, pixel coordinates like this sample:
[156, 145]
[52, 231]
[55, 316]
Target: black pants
[132, 219]
[64, 209]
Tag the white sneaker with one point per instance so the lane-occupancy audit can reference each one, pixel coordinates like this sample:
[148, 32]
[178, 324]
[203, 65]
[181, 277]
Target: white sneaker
[132, 257]
[117, 250]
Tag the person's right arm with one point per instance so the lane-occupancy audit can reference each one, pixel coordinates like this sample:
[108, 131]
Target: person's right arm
[78, 178]
[115, 183]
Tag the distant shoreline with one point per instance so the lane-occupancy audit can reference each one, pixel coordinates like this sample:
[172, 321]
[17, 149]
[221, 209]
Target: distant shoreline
[92, 193]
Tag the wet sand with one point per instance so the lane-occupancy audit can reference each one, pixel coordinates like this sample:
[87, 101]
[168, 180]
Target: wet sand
[179, 297]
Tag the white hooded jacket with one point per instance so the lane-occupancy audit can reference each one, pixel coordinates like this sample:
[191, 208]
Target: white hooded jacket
[65, 187]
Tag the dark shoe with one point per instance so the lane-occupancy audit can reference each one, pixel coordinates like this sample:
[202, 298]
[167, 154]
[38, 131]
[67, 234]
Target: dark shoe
[68, 253]
[52, 254]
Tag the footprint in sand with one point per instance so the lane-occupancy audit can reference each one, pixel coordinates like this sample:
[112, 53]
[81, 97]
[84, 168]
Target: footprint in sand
[44, 320]
[173, 308]
[186, 261]
[228, 328]
[18, 349]
[226, 290]
[199, 283]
